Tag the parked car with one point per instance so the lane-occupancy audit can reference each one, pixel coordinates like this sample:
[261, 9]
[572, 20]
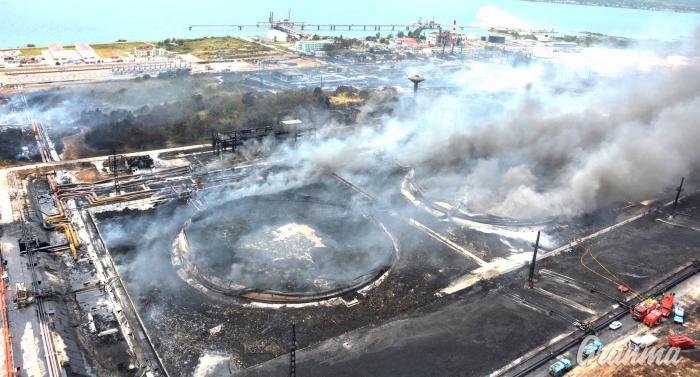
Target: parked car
[678, 314]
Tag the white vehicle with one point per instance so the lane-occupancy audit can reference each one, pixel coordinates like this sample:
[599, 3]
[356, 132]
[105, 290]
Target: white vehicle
[643, 341]
[615, 325]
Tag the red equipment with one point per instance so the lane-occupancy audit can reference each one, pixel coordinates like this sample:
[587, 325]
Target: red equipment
[667, 304]
[623, 288]
[653, 318]
[681, 341]
[643, 308]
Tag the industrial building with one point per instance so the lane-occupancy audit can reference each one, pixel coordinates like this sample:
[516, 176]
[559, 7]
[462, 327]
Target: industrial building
[499, 39]
[288, 76]
[311, 46]
[86, 52]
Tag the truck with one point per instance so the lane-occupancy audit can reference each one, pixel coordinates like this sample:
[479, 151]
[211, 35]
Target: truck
[592, 348]
[653, 318]
[641, 342]
[678, 314]
[21, 295]
[667, 304]
[560, 367]
[643, 308]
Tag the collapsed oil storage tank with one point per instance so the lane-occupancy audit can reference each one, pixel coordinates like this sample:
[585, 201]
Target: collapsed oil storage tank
[282, 248]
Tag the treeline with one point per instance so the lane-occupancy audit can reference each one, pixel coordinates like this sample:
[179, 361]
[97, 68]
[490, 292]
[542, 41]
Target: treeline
[193, 119]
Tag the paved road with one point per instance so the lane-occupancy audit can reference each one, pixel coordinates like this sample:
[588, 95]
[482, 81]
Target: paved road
[28, 351]
[686, 292]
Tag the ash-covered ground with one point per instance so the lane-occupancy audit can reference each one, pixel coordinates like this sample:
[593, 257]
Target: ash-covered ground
[480, 330]
[186, 324]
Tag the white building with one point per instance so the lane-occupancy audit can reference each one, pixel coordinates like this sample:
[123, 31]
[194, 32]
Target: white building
[149, 51]
[56, 52]
[10, 53]
[433, 38]
[310, 47]
[86, 52]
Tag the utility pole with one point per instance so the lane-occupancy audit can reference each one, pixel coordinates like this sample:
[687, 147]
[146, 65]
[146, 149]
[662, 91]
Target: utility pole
[292, 353]
[115, 171]
[531, 276]
[261, 71]
[678, 195]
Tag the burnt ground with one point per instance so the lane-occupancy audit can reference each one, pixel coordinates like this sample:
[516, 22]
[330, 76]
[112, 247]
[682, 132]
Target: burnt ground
[17, 145]
[179, 318]
[478, 331]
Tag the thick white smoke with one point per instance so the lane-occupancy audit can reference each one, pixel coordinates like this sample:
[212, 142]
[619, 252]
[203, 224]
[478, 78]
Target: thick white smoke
[546, 139]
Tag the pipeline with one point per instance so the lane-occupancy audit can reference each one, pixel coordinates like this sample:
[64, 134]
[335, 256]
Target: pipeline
[71, 236]
[59, 220]
[614, 279]
[9, 369]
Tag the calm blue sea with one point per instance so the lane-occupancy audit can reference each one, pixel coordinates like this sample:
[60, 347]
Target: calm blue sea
[69, 21]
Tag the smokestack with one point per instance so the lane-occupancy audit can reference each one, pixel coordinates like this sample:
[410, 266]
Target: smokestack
[415, 79]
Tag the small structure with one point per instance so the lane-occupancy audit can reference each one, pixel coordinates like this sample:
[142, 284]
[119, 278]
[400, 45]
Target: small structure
[497, 39]
[149, 51]
[291, 124]
[288, 76]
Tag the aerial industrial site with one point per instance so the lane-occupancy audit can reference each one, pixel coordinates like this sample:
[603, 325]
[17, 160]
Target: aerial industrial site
[444, 197]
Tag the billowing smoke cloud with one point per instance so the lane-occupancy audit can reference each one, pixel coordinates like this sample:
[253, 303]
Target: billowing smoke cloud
[561, 141]
[490, 16]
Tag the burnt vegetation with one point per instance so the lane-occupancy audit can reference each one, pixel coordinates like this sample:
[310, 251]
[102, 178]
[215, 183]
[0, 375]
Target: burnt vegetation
[192, 118]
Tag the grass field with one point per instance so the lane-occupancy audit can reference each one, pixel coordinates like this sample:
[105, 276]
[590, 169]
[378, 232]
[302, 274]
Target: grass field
[121, 49]
[105, 50]
[346, 99]
[36, 51]
[31, 51]
[216, 48]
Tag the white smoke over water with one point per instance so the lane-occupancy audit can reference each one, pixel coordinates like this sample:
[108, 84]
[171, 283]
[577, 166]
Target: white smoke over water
[490, 16]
